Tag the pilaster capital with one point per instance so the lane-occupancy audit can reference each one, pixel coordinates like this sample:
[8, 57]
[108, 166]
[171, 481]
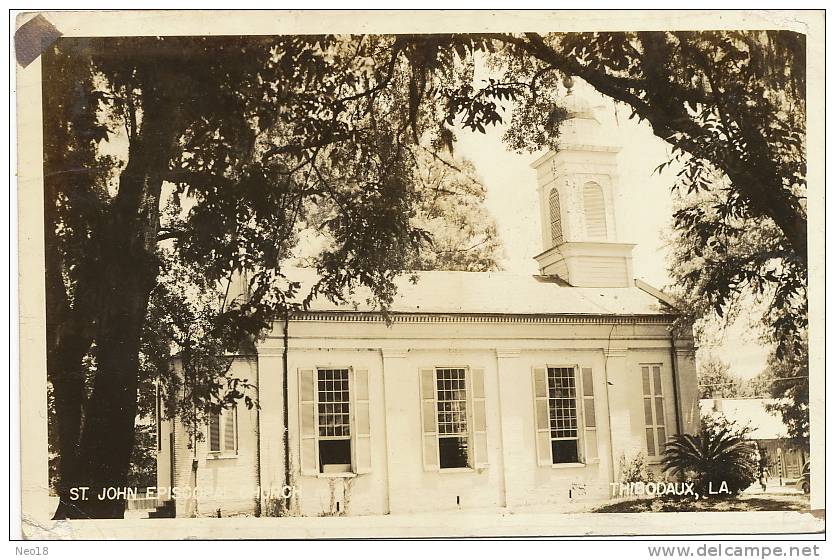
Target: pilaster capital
[508, 352]
[684, 352]
[392, 353]
[270, 351]
[615, 352]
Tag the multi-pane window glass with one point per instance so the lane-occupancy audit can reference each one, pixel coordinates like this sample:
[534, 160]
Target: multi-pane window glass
[556, 218]
[453, 434]
[562, 408]
[334, 404]
[334, 411]
[654, 419]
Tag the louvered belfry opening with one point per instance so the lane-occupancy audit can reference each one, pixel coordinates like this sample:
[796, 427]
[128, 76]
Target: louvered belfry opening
[594, 207]
[578, 187]
[556, 217]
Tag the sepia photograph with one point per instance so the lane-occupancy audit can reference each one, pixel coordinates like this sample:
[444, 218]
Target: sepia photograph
[391, 274]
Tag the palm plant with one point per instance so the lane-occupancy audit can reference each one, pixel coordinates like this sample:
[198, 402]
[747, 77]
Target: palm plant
[721, 453]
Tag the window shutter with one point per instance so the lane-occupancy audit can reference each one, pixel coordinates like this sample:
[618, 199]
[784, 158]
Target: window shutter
[429, 420]
[158, 417]
[479, 419]
[307, 422]
[589, 418]
[660, 417]
[229, 438]
[542, 421]
[362, 423]
[214, 432]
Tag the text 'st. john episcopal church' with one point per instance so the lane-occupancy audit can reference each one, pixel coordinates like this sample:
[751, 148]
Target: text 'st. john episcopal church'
[487, 390]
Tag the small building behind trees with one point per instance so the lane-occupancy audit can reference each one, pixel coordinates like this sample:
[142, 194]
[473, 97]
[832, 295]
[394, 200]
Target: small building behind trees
[784, 456]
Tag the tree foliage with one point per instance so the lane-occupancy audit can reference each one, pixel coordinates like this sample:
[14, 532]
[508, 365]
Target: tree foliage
[789, 385]
[716, 381]
[462, 234]
[721, 263]
[143, 461]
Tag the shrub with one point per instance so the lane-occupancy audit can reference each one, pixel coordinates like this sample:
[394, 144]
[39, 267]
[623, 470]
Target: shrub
[143, 460]
[634, 468]
[721, 453]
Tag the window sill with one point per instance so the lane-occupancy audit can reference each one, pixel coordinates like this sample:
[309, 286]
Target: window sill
[457, 470]
[336, 475]
[217, 456]
[568, 465]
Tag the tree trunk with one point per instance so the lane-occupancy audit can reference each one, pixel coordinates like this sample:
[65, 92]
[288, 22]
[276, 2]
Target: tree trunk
[67, 374]
[69, 337]
[128, 274]
[108, 436]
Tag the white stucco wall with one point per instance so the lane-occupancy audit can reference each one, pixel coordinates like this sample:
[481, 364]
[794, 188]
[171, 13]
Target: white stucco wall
[507, 352]
[226, 481]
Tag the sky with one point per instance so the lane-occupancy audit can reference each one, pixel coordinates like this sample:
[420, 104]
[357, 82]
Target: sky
[643, 212]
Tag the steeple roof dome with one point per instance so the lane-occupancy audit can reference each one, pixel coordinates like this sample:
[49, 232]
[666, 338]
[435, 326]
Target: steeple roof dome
[578, 107]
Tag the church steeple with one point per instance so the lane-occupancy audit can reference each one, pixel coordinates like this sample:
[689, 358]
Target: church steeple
[577, 190]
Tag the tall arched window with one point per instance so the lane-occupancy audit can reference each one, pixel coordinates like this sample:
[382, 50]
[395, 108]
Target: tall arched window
[595, 210]
[556, 218]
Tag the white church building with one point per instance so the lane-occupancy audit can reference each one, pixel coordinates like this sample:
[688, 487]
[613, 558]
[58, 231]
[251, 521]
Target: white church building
[485, 390]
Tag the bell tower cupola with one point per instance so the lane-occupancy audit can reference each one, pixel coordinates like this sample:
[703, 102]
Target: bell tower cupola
[577, 192]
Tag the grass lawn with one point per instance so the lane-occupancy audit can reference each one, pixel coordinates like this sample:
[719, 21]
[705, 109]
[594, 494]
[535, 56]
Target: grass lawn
[776, 502]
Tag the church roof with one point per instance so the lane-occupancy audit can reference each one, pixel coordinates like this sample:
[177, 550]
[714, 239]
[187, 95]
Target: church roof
[455, 292]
